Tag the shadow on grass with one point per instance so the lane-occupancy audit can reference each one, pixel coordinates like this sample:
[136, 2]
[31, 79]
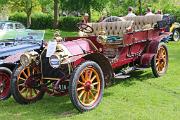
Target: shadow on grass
[143, 76]
[47, 108]
[134, 76]
[59, 107]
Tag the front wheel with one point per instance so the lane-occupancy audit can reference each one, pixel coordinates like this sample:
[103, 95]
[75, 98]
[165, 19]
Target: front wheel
[86, 86]
[25, 86]
[159, 63]
[176, 35]
[5, 80]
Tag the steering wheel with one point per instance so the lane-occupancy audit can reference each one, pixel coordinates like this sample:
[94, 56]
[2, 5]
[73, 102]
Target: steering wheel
[85, 28]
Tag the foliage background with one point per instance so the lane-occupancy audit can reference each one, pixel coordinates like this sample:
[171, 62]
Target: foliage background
[41, 11]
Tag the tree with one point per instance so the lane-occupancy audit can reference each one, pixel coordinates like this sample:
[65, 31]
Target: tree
[56, 13]
[140, 6]
[3, 10]
[83, 6]
[45, 5]
[28, 6]
[25, 6]
[119, 7]
[2, 2]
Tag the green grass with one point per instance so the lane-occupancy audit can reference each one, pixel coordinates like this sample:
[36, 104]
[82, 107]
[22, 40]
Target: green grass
[141, 97]
[50, 33]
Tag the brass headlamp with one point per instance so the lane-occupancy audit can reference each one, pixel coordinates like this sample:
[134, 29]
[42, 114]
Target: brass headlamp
[27, 58]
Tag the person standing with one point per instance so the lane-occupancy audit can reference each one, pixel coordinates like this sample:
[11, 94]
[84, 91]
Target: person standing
[85, 18]
[159, 12]
[149, 12]
[130, 12]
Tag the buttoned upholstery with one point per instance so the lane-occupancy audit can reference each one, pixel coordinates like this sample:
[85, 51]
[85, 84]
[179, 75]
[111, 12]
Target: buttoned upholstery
[141, 21]
[117, 28]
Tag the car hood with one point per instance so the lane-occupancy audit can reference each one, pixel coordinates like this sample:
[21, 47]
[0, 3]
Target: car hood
[77, 47]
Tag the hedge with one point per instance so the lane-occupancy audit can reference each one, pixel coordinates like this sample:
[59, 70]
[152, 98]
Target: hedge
[42, 21]
[45, 21]
[175, 12]
[20, 17]
[69, 23]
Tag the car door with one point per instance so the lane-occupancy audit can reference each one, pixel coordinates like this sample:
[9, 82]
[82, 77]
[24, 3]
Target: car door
[2, 31]
[20, 29]
[9, 32]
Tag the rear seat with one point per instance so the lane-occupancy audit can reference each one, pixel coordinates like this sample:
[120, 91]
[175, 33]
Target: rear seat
[117, 28]
[142, 22]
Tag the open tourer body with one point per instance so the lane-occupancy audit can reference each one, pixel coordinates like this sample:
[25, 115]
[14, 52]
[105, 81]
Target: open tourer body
[83, 66]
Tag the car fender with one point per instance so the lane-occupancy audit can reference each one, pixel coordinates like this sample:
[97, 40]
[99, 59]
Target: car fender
[174, 26]
[13, 58]
[10, 66]
[152, 48]
[97, 57]
[105, 65]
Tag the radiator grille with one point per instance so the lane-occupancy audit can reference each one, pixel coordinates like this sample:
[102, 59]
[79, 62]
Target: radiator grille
[47, 70]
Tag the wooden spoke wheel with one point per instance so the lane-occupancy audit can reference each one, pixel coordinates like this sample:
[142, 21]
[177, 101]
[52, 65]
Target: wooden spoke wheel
[5, 78]
[86, 86]
[160, 61]
[26, 85]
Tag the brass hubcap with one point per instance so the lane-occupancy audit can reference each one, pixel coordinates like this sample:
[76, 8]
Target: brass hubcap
[88, 86]
[161, 60]
[24, 88]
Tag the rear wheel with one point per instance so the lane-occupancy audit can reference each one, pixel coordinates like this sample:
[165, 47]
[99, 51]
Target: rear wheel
[176, 35]
[159, 62]
[5, 80]
[26, 85]
[86, 86]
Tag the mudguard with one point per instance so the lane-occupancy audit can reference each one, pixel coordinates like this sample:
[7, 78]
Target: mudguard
[174, 26]
[13, 58]
[152, 48]
[84, 49]
[105, 65]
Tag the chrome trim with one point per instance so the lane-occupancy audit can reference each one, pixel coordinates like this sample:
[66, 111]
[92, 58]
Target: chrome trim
[51, 78]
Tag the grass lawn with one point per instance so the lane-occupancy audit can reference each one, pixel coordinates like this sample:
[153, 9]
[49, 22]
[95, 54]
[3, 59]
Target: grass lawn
[141, 97]
[50, 33]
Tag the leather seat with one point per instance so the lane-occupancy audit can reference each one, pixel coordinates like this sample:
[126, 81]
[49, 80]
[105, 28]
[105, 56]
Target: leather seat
[141, 21]
[117, 28]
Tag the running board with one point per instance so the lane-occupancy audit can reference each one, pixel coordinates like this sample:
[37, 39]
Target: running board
[140, 68]
[124, 73]
[121, 76]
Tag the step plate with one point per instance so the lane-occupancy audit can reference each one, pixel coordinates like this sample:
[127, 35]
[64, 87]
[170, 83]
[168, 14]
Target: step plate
[121, 76]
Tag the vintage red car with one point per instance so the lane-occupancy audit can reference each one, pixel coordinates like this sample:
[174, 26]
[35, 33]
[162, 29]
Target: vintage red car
[83, 66]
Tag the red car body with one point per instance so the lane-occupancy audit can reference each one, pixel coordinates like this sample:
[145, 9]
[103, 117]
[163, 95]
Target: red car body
[82, 66]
